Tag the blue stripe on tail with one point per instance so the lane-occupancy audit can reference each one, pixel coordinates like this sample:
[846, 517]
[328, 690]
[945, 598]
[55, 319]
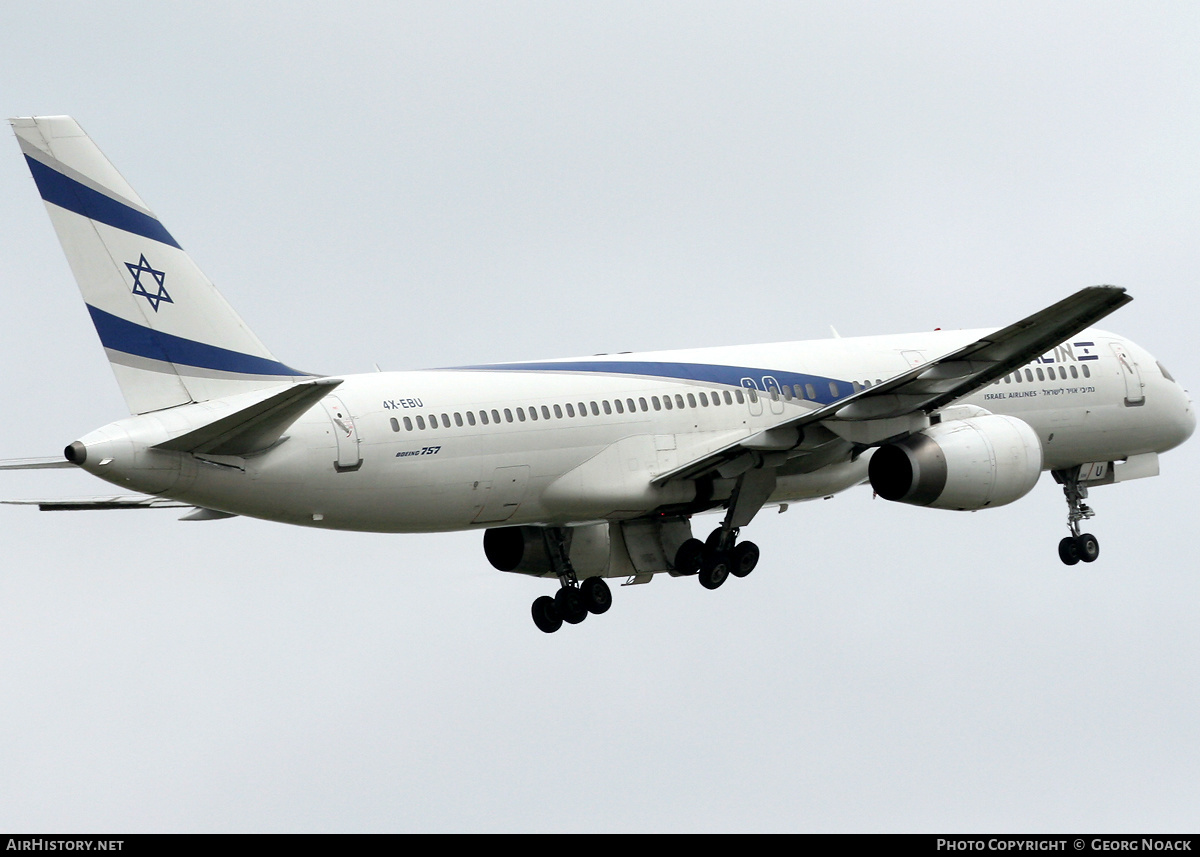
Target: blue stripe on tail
[130, 338]
[64, 191]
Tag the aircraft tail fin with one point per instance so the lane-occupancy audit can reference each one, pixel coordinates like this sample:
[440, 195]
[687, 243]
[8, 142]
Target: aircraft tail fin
[170, 336]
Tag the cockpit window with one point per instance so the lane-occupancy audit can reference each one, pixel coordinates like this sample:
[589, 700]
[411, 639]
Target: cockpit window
[1163, 369]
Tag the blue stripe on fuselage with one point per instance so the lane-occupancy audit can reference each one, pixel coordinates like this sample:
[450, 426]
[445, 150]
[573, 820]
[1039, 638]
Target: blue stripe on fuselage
[130, 338]
[64, 191]
[707, 373]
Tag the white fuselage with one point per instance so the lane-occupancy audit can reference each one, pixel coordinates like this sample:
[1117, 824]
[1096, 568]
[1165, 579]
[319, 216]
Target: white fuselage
[581, 440]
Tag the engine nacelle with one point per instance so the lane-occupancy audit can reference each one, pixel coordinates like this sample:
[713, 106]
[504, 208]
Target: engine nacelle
[967, 464]
[523, 549]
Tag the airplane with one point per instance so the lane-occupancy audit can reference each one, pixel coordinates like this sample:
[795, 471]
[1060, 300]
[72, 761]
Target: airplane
[585, 469]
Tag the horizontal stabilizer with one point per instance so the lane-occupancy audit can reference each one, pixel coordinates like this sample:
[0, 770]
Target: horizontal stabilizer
[35, 463]
[254, 427]
[202, 514]
[89, 504]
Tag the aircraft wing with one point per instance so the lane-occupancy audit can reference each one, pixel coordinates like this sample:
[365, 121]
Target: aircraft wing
[884, 411]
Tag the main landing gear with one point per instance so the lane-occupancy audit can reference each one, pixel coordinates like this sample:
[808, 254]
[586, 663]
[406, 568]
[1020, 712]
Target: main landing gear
[571, 604]
[574, 600]
[717, 557]
[720, 555]
[1078, 546]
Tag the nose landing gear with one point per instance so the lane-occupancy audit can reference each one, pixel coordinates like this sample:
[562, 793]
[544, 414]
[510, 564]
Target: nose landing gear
[1077, 547]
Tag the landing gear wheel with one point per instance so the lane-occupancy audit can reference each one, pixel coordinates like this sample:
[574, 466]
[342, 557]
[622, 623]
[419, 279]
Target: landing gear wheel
[1068, 551]
[570, 605]
[689, 556]
[596, 595]
[714, 569]
[1087, 547]
[745, 558]
[546, 615]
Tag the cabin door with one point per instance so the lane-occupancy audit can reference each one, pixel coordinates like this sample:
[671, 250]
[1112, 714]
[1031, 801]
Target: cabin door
[1134, 394]
[345, 434]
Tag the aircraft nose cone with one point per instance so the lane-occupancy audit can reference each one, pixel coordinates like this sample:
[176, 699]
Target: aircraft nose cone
[1188, 423]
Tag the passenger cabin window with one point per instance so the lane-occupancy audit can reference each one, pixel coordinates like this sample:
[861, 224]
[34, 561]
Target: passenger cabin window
[595, 410]
[495, 416]
[458, 419]
[407, 424]
[521, 415]
[470, 418]
[608, 407]
[508, 418]
[811, 390]
[395, 424]
[667, 402]
[420, 423]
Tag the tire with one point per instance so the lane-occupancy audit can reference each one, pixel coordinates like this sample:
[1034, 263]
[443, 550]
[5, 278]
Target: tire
[1068, 551]
[689, 556]
[1088, 547]
[546, 615]
[570, 605]
[745, 558]
[714, 570]
[596, 595]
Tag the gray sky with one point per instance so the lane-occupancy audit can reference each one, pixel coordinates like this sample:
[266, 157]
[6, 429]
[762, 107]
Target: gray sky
[439, 184]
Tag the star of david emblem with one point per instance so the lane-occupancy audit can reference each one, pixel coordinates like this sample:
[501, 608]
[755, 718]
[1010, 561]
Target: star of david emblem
[139, 286]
